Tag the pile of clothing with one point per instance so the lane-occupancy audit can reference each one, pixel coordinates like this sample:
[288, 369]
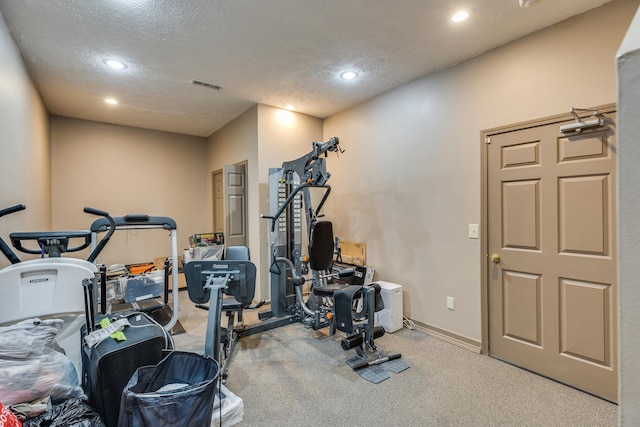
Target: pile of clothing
[38, 382]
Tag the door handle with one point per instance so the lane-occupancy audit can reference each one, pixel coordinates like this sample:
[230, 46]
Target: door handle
[495, 258]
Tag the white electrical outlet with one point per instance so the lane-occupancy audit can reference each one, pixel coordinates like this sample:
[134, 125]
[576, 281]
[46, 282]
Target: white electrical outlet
[473, 231]
[451, 303]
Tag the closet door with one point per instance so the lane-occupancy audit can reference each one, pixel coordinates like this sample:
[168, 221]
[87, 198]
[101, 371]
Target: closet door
[551, 210]
[235, 205]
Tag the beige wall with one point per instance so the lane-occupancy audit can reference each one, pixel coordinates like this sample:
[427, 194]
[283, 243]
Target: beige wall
[24, 146]
[126, 170]
[265, 137]
[628, 232]
[237, 142]
[282, 136]
[409, 183]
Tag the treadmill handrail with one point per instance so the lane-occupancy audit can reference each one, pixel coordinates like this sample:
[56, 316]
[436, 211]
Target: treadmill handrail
[143, 221]
[135, 222]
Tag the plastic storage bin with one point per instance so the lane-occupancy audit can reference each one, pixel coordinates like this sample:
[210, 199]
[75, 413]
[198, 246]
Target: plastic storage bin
[391, 317]
[143, 286]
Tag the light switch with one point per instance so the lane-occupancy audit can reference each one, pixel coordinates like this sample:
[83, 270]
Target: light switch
[473, 231]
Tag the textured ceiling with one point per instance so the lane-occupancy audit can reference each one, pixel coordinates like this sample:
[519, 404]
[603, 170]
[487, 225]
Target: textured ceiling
[273, 52]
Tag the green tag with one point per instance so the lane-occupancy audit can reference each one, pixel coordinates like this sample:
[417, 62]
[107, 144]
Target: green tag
[117, 335]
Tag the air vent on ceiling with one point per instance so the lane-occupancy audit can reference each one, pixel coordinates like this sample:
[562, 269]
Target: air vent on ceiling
[205, 84]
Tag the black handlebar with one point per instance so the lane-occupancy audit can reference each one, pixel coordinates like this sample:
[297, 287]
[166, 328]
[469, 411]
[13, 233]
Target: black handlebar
[4, 248]
[56, 240]
[112, 228]
[290, 198]
[12, 209]
[95, 211]
[51, 242]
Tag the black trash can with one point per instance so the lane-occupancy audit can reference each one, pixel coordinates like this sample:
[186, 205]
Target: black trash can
[179, 391]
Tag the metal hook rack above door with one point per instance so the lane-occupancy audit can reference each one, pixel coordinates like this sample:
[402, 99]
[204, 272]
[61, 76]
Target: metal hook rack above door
[581, 125]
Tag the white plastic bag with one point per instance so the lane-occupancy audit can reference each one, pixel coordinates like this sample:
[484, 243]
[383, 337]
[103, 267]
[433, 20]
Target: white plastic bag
[232, 410]
[31, 367]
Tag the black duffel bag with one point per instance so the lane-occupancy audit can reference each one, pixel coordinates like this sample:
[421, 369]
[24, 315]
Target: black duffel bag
[179, 391]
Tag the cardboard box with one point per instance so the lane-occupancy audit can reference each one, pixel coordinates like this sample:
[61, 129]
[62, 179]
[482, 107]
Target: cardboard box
[159, 262]
[353, 253]
[182, 282]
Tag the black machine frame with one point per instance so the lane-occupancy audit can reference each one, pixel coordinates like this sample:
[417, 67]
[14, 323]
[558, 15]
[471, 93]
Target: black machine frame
[295, 182]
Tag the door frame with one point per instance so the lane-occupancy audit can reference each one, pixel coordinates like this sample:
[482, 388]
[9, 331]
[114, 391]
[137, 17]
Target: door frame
[213, 196]
[484, 206]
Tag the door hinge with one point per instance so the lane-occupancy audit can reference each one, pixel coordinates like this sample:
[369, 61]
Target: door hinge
[487, 140]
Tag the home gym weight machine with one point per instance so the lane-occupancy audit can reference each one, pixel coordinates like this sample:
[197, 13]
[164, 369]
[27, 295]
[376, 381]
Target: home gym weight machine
[290, 193]
[348, 308]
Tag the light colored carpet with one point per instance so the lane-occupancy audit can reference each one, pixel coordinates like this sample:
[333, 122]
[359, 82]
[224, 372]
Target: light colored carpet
[297, 376]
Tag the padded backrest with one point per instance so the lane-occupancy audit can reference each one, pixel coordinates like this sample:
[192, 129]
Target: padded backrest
[237, 253]
[244, 295]
[321, 246]
[241, 284]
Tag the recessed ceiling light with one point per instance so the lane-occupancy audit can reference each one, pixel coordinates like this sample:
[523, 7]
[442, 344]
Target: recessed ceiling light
[111, 101]
[460, 16]
[290, 107]
[348, 75]
[113, 63]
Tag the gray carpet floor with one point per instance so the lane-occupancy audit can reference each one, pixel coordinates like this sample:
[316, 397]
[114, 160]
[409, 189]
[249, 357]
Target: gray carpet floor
[296, 376]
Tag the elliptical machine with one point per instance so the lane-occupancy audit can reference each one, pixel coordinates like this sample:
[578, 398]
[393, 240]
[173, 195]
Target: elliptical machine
[52, 286]
[46, 286]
